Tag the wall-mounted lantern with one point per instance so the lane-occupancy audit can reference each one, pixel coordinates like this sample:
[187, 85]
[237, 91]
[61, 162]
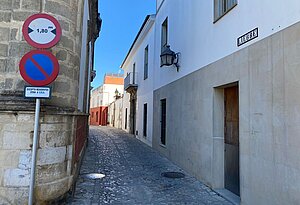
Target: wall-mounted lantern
[117, 94]
[93, 75]
[169, 57]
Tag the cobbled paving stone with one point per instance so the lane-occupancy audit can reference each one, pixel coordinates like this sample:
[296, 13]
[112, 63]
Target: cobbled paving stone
[133, 175]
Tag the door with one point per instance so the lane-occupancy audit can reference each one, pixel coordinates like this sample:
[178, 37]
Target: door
[163, 121]
[231, 139]
[145, 121]
[126, 119]
[132, 116]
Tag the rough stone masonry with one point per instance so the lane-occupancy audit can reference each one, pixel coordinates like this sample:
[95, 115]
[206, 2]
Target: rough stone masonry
[56, 165]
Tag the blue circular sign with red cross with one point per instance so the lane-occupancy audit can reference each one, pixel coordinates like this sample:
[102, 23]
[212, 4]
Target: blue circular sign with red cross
[39, 67]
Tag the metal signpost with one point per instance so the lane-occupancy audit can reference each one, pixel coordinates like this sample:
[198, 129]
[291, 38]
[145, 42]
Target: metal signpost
[39, 68]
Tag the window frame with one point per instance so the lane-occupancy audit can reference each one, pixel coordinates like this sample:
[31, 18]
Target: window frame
[146, 62]
[163, 122]
[164, 34]
[145, 119]
[133, 72]
[217, 15]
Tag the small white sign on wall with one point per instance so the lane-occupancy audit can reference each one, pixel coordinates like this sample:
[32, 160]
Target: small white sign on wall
[247, 37]
[37, 92]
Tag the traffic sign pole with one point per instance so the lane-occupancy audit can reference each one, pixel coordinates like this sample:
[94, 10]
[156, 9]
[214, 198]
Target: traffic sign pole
[34, 151]
[39, 68]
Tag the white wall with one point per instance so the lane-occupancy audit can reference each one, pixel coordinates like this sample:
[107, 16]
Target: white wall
[143, 99]
[269, 105]
[105, 94]
[201, 42]
[95, 95]
[115, 113]
[83, 57]
[261, 69]
[158, 3]
[108, 95]
[126, 105]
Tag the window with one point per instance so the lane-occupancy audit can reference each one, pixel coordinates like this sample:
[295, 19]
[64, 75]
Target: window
[133, 74]
[222, 7]
[164, 34]
[146, 63]
[145, 121]
[92, 114]
[96, 116]
[163, 120]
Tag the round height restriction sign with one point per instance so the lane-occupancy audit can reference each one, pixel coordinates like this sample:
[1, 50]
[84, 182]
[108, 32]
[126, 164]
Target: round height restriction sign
[41, 31]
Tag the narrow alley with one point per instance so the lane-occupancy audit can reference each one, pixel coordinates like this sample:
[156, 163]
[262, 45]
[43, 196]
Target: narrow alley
[133, 175]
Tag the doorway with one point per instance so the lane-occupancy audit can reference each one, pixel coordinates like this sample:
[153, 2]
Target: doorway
[133, 116]
[163, 121]
[231, 140]
[126, 119]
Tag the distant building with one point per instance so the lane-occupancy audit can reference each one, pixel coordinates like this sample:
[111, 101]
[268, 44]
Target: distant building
[103, 95]
[138, 84]
[115, 113]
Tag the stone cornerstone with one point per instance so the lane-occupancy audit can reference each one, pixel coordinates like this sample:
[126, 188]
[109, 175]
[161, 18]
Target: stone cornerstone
[63, 128]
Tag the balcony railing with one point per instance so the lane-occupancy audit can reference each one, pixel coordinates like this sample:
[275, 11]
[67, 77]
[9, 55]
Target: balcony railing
[130, 82]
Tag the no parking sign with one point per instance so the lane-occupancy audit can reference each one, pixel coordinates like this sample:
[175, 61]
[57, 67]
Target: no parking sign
[39, 68]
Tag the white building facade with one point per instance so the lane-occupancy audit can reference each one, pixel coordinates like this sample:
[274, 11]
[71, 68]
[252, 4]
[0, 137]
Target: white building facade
[115, 110]
[105, 94]
[138, 97]
[230, 114]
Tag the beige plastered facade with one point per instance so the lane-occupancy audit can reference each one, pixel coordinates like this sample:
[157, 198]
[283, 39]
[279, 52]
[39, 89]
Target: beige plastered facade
[267, 74]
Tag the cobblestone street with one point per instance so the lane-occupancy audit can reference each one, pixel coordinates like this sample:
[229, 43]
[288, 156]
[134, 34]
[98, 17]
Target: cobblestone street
[133, 175]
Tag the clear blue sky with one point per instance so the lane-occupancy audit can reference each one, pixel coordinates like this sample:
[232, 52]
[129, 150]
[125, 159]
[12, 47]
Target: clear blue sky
[121, 21]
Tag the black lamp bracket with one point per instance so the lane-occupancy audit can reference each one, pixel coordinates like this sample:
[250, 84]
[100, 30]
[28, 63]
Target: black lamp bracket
[176, 60]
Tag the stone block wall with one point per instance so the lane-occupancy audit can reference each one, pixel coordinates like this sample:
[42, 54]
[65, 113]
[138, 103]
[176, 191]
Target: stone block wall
[56, 166]
[13, 13]
[54, 161]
